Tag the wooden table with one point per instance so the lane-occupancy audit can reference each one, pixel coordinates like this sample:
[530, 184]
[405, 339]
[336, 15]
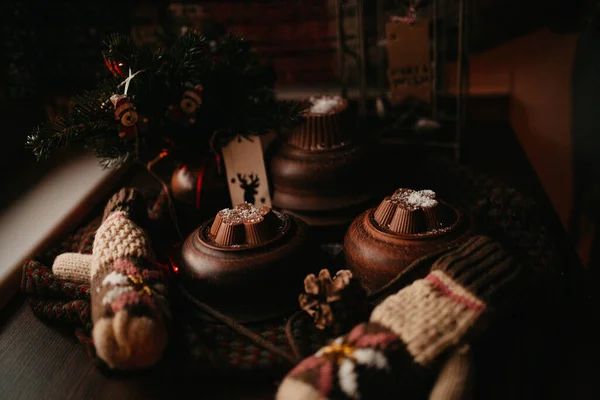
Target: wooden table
[41, 362]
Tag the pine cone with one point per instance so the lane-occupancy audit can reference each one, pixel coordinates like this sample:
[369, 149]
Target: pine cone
[335, 304]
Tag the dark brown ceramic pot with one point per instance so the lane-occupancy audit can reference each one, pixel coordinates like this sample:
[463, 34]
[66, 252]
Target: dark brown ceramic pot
[249, 263]
[383, 241]
[199, 191]
[321, 171]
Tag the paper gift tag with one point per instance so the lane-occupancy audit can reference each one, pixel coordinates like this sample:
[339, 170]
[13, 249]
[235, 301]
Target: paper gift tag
[246, 173]
[409, 61]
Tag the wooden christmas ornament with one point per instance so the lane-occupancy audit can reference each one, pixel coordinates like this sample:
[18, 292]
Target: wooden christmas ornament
[126, 114]
[184, 113]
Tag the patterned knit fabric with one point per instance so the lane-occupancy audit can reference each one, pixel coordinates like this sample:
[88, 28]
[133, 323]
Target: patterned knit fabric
[39, 281]
[129, 307]
[410, 330]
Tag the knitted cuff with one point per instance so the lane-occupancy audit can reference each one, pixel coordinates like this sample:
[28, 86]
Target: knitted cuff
[74, 267]
[430, 315]
[482, 267]
[130, 201]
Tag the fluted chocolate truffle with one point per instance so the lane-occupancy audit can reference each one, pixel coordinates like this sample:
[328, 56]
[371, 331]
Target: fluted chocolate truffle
[245, 225]
[413, 212]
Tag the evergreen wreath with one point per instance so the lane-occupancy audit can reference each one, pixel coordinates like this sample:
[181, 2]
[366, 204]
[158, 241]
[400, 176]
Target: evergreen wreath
[188, 100]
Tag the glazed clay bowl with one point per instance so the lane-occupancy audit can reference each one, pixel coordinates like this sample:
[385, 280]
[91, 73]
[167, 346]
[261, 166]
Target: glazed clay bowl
[320, 181]
[250, 270]
[381, 242]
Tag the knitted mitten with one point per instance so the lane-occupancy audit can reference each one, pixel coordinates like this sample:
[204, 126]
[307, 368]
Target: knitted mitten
[410, 334]
[129, 307]
[455, 381]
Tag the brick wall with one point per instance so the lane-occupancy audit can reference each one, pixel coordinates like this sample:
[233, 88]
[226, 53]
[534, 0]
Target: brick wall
[297, 37]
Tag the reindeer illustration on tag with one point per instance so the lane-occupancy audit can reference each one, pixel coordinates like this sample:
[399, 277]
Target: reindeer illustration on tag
[250, 188]
[246, 173]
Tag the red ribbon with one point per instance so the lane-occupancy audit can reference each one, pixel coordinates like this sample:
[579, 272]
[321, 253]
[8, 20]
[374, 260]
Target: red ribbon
[113, 67]
[199, 181]
[216, 151]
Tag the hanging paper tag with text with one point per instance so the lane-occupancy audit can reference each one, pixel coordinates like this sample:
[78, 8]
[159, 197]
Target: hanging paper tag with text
[409, 61]
[246, 173]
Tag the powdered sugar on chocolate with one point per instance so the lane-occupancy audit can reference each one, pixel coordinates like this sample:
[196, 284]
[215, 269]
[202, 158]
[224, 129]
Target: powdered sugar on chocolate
[415, 199]
[243, 213]
[325, 104]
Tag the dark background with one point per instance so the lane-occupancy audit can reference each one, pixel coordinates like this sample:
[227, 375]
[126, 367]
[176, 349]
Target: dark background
[51, 49]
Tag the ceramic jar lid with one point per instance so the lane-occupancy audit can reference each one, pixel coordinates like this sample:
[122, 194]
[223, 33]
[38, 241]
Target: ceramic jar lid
[409, 224]
[248, 262]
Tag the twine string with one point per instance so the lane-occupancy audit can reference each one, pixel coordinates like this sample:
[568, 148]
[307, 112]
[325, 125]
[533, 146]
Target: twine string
[289, 334]
[128, 80]
[237, 327]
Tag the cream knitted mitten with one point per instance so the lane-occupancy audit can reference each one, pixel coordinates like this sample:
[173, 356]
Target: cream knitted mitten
[455, 380]
[128, 292]
[411, 333]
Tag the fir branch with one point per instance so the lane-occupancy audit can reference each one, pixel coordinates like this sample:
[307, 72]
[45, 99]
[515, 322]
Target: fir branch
[61, 132]
[237, 99]
[122, 49]
[112, 157]
[234, 51]
[188, 60]
[90, 117]
[261, 114]
[265, 113]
